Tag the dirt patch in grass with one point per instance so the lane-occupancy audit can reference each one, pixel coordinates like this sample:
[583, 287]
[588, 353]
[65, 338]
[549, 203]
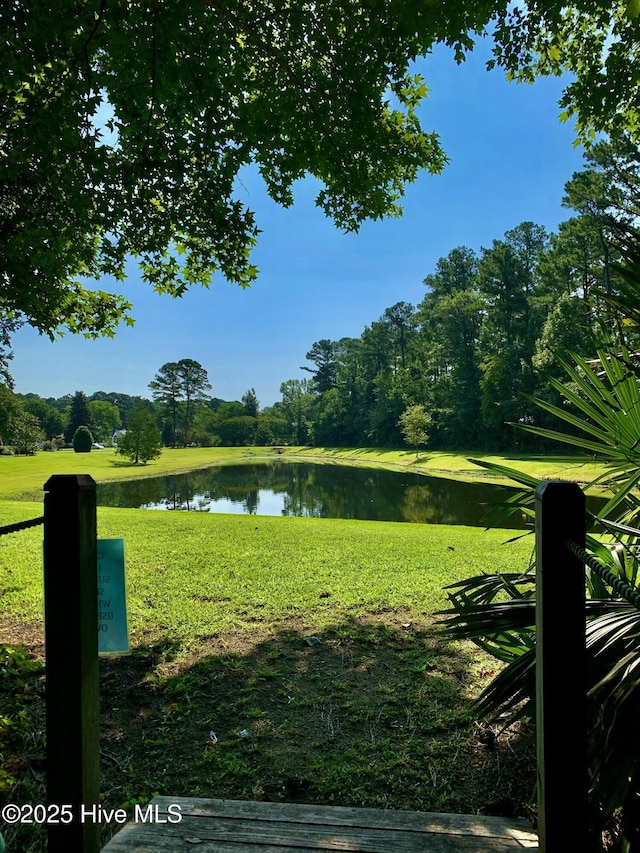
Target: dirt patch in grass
[374, 711]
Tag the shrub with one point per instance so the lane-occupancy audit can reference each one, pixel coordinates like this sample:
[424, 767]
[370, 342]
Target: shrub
[82, 440]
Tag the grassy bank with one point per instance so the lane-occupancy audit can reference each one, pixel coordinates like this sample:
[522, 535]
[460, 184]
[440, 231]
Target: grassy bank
[22, 477]
[458, 465]
[279, 659]
[197, 574]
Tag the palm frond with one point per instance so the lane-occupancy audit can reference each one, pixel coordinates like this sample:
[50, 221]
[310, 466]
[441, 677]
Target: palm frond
[613, 647]
[497, 611]
[521, 501]
[511, 694]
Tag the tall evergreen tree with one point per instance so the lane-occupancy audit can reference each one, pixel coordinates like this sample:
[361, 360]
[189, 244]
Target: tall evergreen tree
[454, 328]
[449, 319]
[507, 276]
[251, 403]
[80, 415]
[195, 386]
[297, 402]
[573, 262]
[166, 389]
[401, 321]
[178, 387]
[323, 355]
[455, 272]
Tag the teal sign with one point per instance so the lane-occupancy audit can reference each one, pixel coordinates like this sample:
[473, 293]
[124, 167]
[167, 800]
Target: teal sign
[113, 635]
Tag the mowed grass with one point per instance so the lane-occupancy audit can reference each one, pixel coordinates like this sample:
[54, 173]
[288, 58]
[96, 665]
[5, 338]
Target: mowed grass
[195, 575]
[284, 659]
[458, 464]
[23, 477]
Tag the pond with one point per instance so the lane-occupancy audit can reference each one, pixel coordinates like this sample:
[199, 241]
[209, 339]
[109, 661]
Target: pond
[315, 491]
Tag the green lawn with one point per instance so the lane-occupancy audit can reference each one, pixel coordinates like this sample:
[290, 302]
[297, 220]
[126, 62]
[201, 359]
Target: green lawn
[308, 648]
[458, 464]
[196, 574]
[23, 477]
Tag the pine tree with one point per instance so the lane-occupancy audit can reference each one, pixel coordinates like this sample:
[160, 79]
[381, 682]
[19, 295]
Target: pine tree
[166, 389]
[80, 416]
[251, 403]
[179, 386]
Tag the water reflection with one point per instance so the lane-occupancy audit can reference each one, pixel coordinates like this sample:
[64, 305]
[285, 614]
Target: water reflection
[316, 491]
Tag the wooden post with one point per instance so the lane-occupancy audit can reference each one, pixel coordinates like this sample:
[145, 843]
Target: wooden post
[71, 636]
[561, 683]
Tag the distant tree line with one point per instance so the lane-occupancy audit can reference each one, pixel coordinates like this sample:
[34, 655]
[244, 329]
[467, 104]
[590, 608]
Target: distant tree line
[181, 410]
[453, 372]
[489, 330]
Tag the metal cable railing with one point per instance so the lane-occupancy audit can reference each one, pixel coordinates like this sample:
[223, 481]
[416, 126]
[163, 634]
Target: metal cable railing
[21, 525]
[624, 589]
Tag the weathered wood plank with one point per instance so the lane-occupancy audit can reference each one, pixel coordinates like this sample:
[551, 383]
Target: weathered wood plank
[252, 834]
[231, 826]
[476, 825]
[149, 838]
[434, 822]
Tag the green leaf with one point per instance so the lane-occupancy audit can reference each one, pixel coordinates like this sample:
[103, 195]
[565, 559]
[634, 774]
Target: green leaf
[633, 9]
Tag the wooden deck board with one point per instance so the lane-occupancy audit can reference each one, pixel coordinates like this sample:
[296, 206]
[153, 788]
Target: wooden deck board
[233, 826]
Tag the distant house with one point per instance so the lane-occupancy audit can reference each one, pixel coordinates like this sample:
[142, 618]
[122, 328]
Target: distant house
[116, 435]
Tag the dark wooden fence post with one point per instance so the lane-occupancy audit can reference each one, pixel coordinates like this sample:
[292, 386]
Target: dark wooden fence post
[71, 636]
[561, 721]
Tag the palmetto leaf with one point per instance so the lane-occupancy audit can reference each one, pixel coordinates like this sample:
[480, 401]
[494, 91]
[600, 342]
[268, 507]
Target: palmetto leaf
[510, 473]
[504, 630]
[608, 413]
[625, 302]
[613, 646]
[611, 400]
[485, 588]
[512, 693]
[521, 501]
[498, 611]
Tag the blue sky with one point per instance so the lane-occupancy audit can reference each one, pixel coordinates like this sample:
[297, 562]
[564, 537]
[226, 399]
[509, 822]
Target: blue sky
[510, 158]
